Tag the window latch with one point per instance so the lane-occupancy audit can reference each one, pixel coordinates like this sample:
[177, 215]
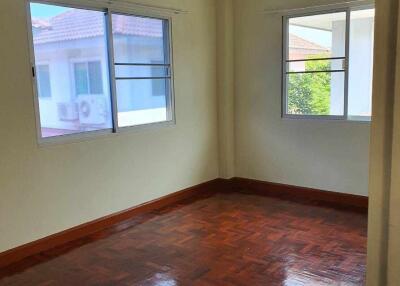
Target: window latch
[344, 64]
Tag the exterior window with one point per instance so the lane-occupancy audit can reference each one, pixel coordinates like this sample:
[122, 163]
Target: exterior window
[61, 36]
[327, 69]
[43, 81]
[142, 71]
[128, 83]
[88, 78]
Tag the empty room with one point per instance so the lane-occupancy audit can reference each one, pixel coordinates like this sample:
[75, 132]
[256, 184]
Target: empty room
[200, 142]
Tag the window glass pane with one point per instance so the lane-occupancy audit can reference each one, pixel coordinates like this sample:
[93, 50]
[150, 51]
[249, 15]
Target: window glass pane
[360, 62]
[316, 65]
[139, 39]
[95, 78]
[141, 71]
[43, 81]
[144, 106]
[81, 80]
[68, 39]
[143, 41]
[318, 36]
[315, 93]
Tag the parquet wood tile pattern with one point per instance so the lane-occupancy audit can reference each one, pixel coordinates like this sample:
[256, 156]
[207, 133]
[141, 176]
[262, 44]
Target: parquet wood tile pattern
[224, 239]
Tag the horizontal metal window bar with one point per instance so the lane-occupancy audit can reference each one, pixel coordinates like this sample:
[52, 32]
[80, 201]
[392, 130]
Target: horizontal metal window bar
[316, 59]
[328, 71]
[142, 64]
[150, 77]
[313, 117]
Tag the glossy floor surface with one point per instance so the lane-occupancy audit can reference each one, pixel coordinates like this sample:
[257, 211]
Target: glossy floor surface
[225, 239]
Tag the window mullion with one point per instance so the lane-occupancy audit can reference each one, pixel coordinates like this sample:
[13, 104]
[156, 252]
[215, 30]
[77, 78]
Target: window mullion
[285, 52]
[111, 69]
[347, 63]
[167, 60]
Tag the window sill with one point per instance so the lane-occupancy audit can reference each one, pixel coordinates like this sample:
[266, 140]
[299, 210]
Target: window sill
[100, 134]
[352, 119]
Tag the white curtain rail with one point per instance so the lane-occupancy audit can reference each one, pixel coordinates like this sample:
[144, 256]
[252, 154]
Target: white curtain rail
[117, 4]
[353, 3]
[145, 6]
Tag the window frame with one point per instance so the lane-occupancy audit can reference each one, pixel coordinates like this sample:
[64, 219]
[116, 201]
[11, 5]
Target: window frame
[108, 9]
[167, 44]
[285, 52]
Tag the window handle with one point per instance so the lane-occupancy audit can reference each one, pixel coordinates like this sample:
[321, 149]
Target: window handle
[344, 64]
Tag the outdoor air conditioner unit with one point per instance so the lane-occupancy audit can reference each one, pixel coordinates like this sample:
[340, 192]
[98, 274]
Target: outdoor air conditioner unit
[92, 109]
[67, 111]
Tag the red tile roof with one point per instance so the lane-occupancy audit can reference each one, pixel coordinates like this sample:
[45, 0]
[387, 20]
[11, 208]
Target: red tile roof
[79, 24]
[295, 42]
[40, 24]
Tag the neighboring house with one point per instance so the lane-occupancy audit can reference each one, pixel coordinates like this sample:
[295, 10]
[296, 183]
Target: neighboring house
[301, 48]
[73, 43]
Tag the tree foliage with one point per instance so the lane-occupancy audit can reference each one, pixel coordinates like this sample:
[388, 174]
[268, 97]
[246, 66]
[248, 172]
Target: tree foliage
[309, 93]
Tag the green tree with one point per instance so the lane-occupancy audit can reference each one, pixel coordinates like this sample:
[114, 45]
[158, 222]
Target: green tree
[309, 93]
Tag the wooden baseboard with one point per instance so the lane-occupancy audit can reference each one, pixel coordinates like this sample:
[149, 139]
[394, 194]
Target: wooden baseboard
[289, 192]
[16, 254]
[218, 185]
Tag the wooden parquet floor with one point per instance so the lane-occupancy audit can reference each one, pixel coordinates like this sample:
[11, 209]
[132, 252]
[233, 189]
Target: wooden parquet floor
[225, 239]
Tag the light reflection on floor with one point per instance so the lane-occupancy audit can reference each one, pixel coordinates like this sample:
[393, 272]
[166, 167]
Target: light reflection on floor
[161, 279]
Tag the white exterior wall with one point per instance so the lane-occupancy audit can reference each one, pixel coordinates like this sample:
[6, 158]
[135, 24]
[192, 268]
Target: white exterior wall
[61, 57]
[360, 79]
[337, 79]
[61, 88]
[361, 54]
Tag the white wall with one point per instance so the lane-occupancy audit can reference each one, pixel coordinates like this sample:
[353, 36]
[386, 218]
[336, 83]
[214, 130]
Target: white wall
[48, 189]
[320, 154]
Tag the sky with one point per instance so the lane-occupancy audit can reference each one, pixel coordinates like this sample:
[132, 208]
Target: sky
[320, 37]
[46, 11]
